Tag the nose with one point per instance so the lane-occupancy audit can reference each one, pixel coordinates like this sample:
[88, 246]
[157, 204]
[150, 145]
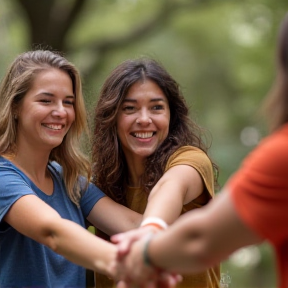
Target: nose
[144, 118]
[59, 111]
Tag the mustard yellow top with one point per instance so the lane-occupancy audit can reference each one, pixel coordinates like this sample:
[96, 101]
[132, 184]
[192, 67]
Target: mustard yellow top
[137, 200]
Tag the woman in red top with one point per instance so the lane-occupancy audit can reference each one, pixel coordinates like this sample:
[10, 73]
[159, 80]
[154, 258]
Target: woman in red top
[252, 208]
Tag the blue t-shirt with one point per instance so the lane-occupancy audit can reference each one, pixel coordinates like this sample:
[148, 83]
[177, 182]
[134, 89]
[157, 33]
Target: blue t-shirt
[23, 261]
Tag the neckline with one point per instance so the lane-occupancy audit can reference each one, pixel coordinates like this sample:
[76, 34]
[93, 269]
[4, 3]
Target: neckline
[34, 187]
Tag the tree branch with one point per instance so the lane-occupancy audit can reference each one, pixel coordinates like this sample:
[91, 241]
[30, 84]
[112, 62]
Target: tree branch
[49, 21]
[102, 48]
[37, 13]
[62, 19]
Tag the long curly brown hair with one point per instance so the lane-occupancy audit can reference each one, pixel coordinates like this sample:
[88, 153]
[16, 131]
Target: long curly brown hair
[109, 164]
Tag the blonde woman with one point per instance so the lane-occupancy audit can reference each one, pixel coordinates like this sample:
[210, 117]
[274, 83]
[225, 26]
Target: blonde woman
[45, 195]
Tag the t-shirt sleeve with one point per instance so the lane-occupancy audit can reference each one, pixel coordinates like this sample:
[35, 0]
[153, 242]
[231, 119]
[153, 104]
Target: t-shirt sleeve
[260, 189]
[90, 197]
[196, 158]
[12, 187]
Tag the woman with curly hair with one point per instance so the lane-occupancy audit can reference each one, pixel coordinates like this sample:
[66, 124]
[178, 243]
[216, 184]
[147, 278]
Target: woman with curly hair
[251, 208]
[146, 148]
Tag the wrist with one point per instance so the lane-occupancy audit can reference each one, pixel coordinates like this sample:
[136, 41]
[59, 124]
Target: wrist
[155, 222]
[146, 256]
[111, 266]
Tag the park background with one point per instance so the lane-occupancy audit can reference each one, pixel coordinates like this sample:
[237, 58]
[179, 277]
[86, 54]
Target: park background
[222, 53]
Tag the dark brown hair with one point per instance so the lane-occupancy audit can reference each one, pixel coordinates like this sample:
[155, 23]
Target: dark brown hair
[109, 164]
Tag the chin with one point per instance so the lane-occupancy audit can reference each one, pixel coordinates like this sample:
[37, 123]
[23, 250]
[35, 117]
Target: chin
[54, 144]
[145, 153]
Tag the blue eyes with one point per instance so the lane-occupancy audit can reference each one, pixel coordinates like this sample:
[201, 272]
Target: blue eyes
[69, 102]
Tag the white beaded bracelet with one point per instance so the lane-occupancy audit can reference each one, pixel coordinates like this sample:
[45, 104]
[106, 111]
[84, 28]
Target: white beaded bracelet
[155, 221]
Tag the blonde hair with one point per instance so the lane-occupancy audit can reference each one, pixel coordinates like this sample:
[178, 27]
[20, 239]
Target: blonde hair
[14, 86]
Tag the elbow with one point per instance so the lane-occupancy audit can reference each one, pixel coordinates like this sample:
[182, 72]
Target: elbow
[52, 243]
[49, 236]
[201, 246]
[49, 239]
[204, 253]
[200, 253]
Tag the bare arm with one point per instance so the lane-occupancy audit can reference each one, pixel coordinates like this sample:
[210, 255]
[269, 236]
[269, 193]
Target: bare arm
[111, 217]
[197, 240]
[178, 186]
[35, 219]
[201, 238]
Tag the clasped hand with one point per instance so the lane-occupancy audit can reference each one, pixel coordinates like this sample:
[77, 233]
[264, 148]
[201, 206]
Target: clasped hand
[131, 268]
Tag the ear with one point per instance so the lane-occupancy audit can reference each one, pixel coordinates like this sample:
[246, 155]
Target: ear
[15, 112]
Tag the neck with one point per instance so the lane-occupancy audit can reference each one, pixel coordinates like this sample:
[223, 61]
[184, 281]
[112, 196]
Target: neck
[135, 170]
[32, 163]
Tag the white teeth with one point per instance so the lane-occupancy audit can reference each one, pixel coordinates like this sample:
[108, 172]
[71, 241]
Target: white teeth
[53, 126]
[143, 135]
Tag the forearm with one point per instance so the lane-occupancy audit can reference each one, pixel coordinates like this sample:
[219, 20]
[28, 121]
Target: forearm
[202, 238]
[168, 208]
[35, 219]
[112, 218]
[180, 185]
[82, 247]
[179, 250]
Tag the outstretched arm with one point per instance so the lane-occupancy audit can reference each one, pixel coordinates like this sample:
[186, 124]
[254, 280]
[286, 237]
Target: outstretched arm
[33, 218]
[198, 239]
[178, 186]
[111, 217]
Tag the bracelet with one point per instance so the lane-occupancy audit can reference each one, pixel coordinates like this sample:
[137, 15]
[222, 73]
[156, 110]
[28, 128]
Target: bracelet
[155, 225]
[146, 258]
[154, 221]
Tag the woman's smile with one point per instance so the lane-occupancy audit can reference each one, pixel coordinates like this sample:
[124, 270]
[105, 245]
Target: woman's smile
[143, 135]
[144, 115]
[54, 126]
[47, 111]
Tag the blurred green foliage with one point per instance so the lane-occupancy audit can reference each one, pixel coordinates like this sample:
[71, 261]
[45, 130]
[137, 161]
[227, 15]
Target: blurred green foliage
[221, 52]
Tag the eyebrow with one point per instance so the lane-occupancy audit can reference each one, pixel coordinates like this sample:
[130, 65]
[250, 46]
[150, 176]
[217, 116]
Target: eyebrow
[52, 95]
[152, 100]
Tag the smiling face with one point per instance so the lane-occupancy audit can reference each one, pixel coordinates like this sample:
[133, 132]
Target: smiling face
[47, 111]
[143, 120]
